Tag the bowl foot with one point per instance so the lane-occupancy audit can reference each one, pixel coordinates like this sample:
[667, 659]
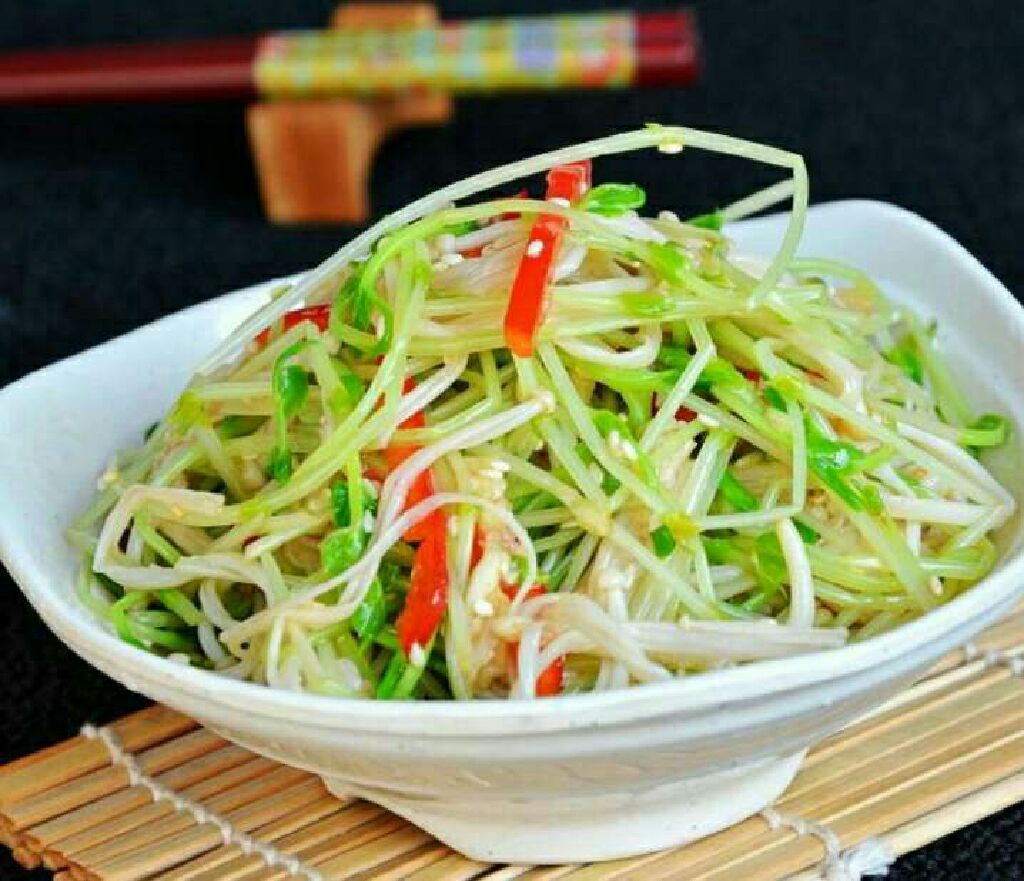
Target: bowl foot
[585, 828]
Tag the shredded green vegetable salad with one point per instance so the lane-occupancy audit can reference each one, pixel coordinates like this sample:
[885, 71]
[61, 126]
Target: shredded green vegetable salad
[539, 446]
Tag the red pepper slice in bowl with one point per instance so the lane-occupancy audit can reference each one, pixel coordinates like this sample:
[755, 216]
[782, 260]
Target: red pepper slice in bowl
[550, 680]
[423, 486]
[685, 414]
[528, 299]
[319, 315]
[427, 599]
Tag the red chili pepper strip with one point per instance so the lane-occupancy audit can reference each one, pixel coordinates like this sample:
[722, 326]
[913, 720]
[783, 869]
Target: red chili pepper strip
[569, 181]
[685, 414]
[319, 315]
[510, 590]
[549, 682]
[423, 486]
[527, 300]
[427, 598]
[751, 375]
[477, 554]
[396, 455]
[428, 589]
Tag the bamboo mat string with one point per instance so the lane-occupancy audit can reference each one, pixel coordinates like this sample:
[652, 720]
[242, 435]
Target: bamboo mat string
[246, 843]
[871, 857]
[994, 658]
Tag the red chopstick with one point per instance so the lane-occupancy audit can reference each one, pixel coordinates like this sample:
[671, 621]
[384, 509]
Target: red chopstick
[595, 51]
[197, 70]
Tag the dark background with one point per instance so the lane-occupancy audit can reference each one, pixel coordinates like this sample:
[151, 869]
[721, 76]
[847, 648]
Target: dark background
[113, 216]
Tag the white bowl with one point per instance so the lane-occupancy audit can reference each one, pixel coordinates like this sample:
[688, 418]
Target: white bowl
[577, 778]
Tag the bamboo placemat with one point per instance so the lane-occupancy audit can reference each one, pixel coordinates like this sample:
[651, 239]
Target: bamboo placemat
[154, 795]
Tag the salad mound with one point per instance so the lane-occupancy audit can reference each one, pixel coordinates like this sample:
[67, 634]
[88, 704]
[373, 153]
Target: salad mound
[540, 445]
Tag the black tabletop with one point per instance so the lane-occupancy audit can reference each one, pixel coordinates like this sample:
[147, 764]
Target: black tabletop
[113, 216]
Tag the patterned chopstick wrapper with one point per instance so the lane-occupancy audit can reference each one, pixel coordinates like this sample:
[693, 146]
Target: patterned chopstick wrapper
[593, 51]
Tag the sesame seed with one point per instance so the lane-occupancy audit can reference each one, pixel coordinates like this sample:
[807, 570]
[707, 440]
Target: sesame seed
[668, 215]
[559, 200]
[709, 421]
[547, 400]
[629, 451]
[491, 473]
[483, 608]
[670, 147]
[446, 261]
[417, 657]
[500, 465]
[535, 248]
